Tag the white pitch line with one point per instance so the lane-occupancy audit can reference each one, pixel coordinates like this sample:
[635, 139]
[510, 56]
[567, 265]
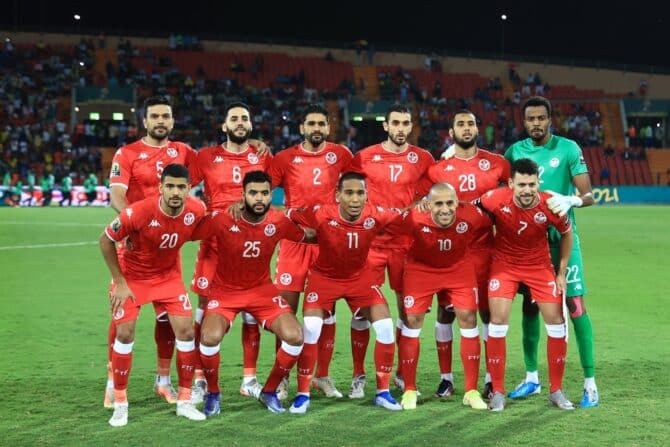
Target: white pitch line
[52, 224]
[65, 244]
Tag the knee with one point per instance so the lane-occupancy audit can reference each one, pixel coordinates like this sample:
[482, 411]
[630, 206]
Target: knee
[125, 334]
[293, 335]
[576, 306]
[414, 321]
[467, 320]
[184, 332]
[211, 337]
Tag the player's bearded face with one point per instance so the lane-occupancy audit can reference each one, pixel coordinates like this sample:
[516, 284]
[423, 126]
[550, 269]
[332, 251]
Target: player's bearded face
[398, 127]
[238, 125]
[465, 130]
[536, 121]
[315, 129]
[352, 197]
[159, 121]
[525, 189]
[257, 198]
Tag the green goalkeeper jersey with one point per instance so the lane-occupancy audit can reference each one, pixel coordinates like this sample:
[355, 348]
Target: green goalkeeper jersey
[559, 161]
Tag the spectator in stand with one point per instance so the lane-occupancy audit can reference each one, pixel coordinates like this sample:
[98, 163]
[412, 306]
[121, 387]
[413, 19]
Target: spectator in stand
[605, 176]
[609, 151]
[632, 135]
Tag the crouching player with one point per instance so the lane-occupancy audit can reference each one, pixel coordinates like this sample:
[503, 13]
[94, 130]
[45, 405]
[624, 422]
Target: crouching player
[154, 229]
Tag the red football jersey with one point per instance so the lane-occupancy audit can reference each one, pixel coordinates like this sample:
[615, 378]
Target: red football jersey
[343, 245]
[223, 172]
[309, 178]
[438, 246]
[521, 234]
[246, 248]
[392, 179]
[153, 238]
[471, 177]
[138, 166]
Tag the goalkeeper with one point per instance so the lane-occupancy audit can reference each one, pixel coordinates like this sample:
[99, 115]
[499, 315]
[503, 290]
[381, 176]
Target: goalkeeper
[562, 170]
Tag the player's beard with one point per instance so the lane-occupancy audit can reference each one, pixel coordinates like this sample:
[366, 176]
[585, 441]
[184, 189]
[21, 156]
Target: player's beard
[466, 144]
[397, 141]
[316, 138]
[252, 211]
[239, 139]
[162, 135]
[538, 136]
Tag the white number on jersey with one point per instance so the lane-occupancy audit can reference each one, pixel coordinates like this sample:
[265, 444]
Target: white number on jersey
[185, 301]
[445, 244]
[540, 171]
[317, 176]
[169, 240]
[353, 239]
[252, 249]
[524, 225]
[467, 182]
[237, 174]
[395, 172]
[159, 168]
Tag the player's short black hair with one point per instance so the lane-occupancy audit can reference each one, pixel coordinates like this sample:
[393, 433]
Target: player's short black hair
[537, 101]
[256, 177]
[315, 108]
[462, 112]
[397, 107]
[349, 176]
[155, 101]
[235, 104]
[525, 166]
[177, 171]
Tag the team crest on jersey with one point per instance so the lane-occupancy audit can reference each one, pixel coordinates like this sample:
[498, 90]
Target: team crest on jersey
[312, 297]
[129, 212]
[172, 152]
[462, 227]
[116, 170]
[285, 279]
[369, 223]
[202, 283]
[143, 156]
[212, 304]
[408, 301]
[253, 158]
[189, 218]
[540, 217]
[119, 314]
[270, 229]
[484, 165]
[412, 157]
[331, 158]
[554, 162]
[116, 225]
[494, 284]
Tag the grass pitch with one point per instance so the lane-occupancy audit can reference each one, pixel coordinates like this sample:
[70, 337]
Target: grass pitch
[53, 328]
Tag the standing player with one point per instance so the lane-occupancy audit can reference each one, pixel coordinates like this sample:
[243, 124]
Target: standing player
[392, 169]
[135, 174]
[562, 171]
[437, 262]
[345, 233]
[154, 230]
[474, 172]
[309, 172]
[521, 254]
[242, 283]
[223, 168]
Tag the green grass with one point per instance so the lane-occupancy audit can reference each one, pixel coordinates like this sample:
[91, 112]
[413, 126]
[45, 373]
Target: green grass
[53, 328]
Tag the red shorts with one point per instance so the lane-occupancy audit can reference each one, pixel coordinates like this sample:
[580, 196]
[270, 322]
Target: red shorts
[394, 258]
[322, 292]
[167, 297]
[455, 285]
[481, 260]
[205, 267]
[293, 262]
[541, 281]
[263, 302]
